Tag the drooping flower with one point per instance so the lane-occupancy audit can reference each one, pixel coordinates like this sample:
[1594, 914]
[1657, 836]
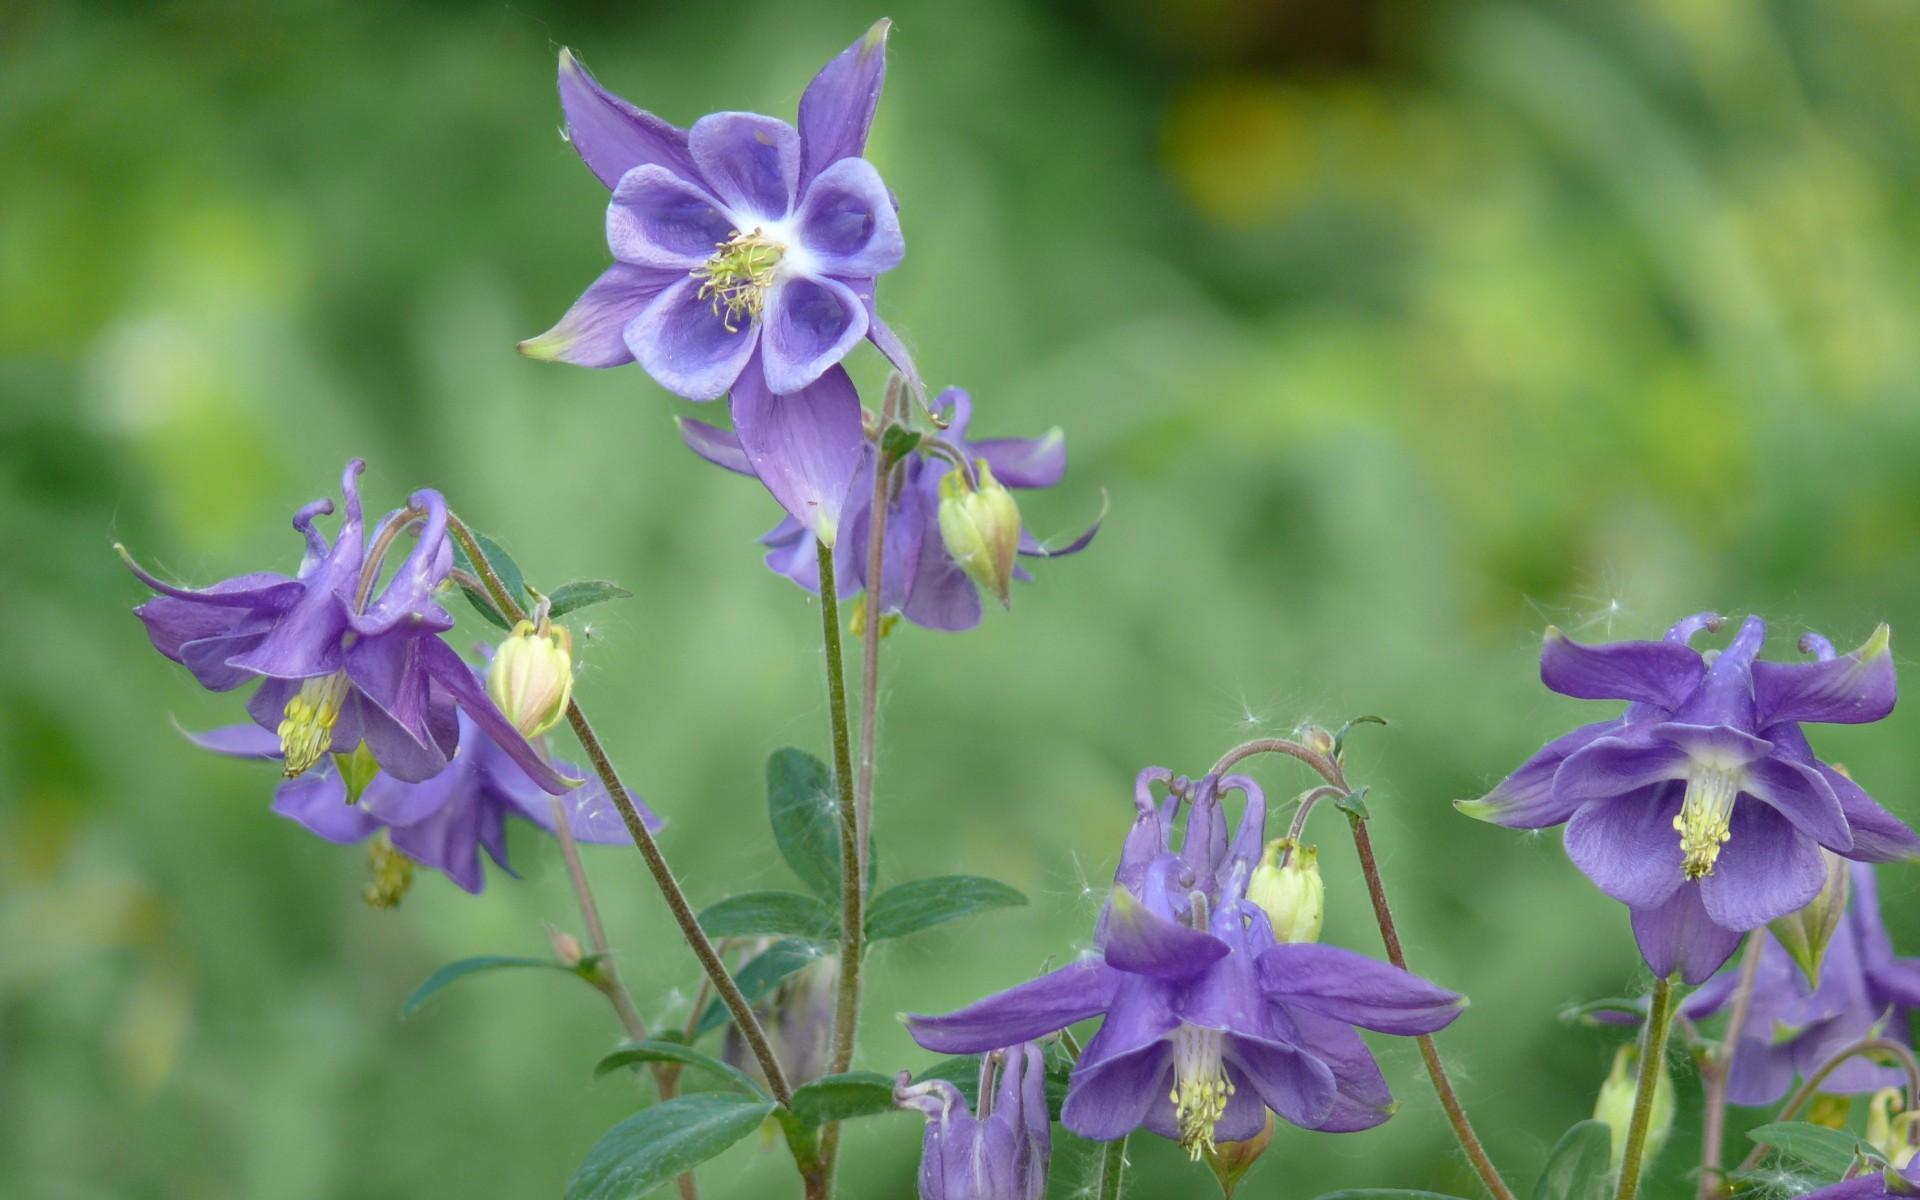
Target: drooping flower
[1702, 806]
[442, 822]
[921, 578]
[1208, 1021]
[1793, 1028]
[745, 249]
[1001, 1154]
[339, 665]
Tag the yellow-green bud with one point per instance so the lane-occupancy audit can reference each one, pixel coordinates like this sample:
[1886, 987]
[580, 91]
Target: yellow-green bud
[357, 770]
[531, 678]
[390, 873]
[1891, 1131]
[567, 950]
[1615, 1105]
[1230, 1161]
[1804, 934]
[1290, 892]
[981, 528]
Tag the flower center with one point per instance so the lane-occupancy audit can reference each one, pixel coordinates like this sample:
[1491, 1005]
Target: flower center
[1704, 817]
[1200, 1087]
[307, 730]
[738, 275]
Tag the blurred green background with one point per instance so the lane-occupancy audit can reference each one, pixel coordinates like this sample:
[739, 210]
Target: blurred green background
[1394, 332]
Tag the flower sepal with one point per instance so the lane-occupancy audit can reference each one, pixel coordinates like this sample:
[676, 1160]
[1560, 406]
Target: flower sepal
[1806, 932]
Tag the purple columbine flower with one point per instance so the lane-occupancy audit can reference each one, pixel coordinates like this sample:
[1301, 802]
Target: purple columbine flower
[746, 248]
[1885, 1184]
[1702, 807]
[1002, 1154]
[342, 662]
[922, 580]
[1208, 1022]
[1793, 1028]
[442, 822]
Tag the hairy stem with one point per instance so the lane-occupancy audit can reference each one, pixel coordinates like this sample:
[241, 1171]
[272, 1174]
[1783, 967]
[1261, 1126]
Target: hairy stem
[1805, 1092]
[670, 891]
[1113, 1171]
[846, 1012]
[1717, 1067]
[870, 636]
[1653, 1056]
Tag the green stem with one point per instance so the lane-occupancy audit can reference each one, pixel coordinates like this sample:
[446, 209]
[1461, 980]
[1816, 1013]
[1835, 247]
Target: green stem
[1653, 1060]
[670, 891]
[1113, 1171]
[846, 1012]
[1805, 1092]
[1716, 1069]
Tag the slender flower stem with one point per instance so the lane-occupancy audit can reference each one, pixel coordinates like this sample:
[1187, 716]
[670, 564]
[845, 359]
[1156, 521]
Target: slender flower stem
[669, 887]
[1717, 1067]
[1113, 1171]
[1806, 1090]
[1653, 1055]
[846, 1011]
[1329, 769]
[870, 636]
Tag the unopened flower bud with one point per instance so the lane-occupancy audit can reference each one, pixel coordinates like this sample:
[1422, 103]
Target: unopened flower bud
[981, 528]
[1287, 887]
[1316, 739]
[531, 677]
[1804, 934]
[1615, 1105]
[1891, 1131]
[390, 873]
[567, 950]
[1230, 1161]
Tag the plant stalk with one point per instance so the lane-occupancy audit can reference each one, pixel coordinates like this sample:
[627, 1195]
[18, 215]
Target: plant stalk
[1717, 1068]
[846, 1012]
[1113, 1171]
[1653, 1055]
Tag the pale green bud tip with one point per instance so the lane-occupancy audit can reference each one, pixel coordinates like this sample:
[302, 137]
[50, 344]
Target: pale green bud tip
[1479, 810]
[876, 36]
[1288, 888]
[550, 346]
[981, 528]
[1880, 642]
[531, 677]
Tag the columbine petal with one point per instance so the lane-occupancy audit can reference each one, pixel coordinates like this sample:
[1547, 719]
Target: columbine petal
[1143, 942]
[1765, 870]
[847, 222]
[942, 596]
[811, 323]
[1034, 1009]
[837, 108]
[458, 679]
[236, 741]
[1526, 799]
[1288, 1080]
[1878, 835]
[1725, 696]
[593, 331]
[680, 340]
[612, 136]
[718, 446]
[1614, 766]
[1627, 844]
[661, 221]
[1108, 1101]
[408, 597]
[1679, 937]
[1026, 462]
[318, 800]
[1361, 1099]
[1801, 795]
[392, 703]
[591, 814]
[1350, 987]
[1657, 673]
[805, 447]
[1855, 689]
[751, 162]
[448, 839]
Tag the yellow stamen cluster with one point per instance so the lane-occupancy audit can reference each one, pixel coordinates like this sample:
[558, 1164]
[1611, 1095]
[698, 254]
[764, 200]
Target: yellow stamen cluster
[738, 275]
[1704, 818]
[1201, 1088]
[390, 874]
[307, 730]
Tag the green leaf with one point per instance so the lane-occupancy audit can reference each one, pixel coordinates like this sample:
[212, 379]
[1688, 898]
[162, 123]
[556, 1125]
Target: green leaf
[843, 1097]
[632, 1054]
[1340, 737]
[804, 812]
[751, 914]
[760, 976]
[1828, 1151]
[453, 972]
[503, 566]
[1354, 804]
[924, 903]
[898, 442]
[656, 1144]
[569, 597]
[1579, 1167]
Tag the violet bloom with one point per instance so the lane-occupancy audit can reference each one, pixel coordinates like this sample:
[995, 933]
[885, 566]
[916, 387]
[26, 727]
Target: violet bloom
[922, 580]
[1208, 1023]
[1702, 806]
[1001, 1154]
[1876, 1186]
[340, 661]
[1792, 1028]
[442, 822]
[746, 248]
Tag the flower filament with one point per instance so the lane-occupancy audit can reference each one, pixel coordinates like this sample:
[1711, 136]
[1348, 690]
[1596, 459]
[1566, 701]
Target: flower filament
[1200, 1087]
[307, 729]
[1705, 816]
[738, 275]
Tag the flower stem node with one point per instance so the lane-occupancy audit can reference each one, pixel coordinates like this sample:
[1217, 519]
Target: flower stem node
[531, 677]
[306, 731]
[981, 528]
[1288, 888]
[390, 873]
[1615, 1105]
